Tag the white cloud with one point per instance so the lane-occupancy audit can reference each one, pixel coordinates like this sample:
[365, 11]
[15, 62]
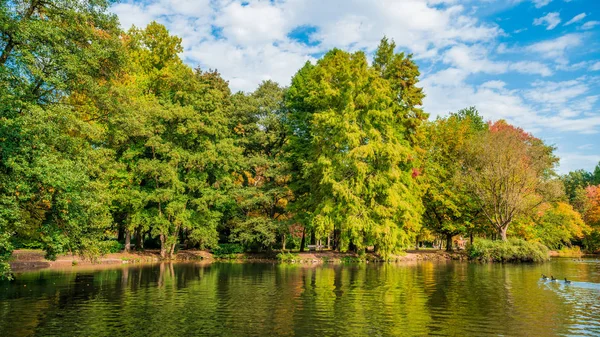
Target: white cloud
[590, 25]
[576, 18]
[595, 66]
[258, 28]
[252, 45]
[541, 3]
[530, 67]
[556, 48]
[253, 24]
[565, 106]
[550, 20]
[548, 92]
[585, 147]
[475, 59]
[575, 161]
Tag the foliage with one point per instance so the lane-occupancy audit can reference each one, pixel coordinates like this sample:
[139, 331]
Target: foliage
[49, 190]
[553, 224]
[110, 246]
[288, 257]
[227, 249]
[262, 192]
[510, 172]
[570, 252]
[512, 250]
[591, 215]
[104, 131]
[450, 207]
[351, 130]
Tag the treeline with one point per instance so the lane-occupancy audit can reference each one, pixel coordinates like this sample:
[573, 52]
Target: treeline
[109, 140]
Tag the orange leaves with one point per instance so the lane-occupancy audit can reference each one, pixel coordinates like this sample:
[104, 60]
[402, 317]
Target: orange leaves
[592, 211]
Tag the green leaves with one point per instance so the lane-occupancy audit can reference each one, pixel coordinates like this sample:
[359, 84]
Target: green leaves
[351, 149]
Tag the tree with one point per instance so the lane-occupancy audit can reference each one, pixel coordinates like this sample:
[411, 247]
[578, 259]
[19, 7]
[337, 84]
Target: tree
[575, 180]
[174, 155]
[351, 129]
[450, 208]
[263, 194]
[49, 189]
[553, 224]
[510, 172]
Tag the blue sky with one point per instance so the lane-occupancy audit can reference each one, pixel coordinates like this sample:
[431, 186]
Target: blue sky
[535, 63]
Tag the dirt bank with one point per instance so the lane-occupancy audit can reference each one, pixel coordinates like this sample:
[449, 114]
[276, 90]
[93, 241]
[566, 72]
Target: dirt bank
[28, 260]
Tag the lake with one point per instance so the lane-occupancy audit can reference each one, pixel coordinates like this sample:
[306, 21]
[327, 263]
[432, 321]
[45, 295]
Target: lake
[261, 299]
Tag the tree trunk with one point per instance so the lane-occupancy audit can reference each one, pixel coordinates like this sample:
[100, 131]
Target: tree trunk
[174, 244]
[502, 232]
[172, 252]
[417, 243]
[336, 240]
[163, 247]
[303, 241]
[127, 240]
[121, 233]
[449, 242]
[471, 238]
[139, 243]
[283, 242]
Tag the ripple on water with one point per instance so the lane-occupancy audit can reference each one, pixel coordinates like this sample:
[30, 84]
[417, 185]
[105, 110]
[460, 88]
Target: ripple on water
[330, 300]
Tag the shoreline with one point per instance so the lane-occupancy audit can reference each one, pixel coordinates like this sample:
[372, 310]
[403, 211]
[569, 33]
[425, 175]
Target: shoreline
[25, 260]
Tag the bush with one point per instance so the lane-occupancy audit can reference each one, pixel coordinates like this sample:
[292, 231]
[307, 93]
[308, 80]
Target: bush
[288, 257]
[513, 250]
[111, 246]
[570, 252]
[228, 250]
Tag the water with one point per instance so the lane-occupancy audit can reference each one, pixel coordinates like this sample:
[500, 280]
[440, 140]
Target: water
[448, 298]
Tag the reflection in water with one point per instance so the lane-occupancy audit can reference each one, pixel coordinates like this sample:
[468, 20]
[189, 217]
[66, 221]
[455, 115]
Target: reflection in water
[330, 300]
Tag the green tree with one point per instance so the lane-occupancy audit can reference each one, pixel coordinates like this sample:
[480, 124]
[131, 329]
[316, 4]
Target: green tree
[173, 155]
[576, 180]
[49, 189]
[351, 132]
[261, 214]
[450, 207]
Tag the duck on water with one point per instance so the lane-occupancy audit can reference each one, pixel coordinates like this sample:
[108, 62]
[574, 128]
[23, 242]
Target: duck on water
[553, 279]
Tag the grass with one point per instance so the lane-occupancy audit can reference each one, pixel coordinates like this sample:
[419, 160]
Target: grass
[513, 250]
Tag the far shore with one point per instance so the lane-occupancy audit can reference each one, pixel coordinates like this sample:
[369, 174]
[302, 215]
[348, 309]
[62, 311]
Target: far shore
[24, 260]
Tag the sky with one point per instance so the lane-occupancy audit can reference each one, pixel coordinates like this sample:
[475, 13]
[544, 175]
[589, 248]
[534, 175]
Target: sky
[534, 63]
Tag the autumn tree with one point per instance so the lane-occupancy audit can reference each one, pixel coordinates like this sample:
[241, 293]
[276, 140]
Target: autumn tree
[555, 224]
[510, 172]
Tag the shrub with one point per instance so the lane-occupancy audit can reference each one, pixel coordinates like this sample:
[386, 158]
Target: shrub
[110, 246]
[570, 252]
[513, 250]
[228, 250]
[288, 257]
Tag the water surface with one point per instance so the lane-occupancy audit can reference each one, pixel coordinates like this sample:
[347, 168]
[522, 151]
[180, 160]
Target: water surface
[222, 299]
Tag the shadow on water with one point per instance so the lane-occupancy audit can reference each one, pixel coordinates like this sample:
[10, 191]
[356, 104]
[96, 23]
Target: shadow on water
[225, 299]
